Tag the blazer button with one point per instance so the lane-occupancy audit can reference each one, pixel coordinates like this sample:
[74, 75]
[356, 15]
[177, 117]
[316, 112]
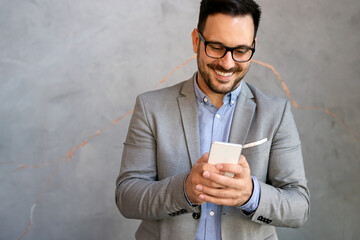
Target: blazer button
[196, 215]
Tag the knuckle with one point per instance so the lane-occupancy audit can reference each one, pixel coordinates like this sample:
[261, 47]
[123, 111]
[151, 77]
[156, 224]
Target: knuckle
[222, 194]
[239, 169]
[240, 185]
[213, 185]
[239, 195]
[203, 167]
[193, 181]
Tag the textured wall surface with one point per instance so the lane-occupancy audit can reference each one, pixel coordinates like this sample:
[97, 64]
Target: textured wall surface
[70, 72]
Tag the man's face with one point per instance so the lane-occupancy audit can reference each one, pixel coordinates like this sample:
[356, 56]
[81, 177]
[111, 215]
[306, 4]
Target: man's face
[223, 75]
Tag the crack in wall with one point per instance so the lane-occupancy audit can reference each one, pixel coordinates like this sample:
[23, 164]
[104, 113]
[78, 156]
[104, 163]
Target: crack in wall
[325, 110]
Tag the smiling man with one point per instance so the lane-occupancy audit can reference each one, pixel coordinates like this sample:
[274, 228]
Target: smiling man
[221, 68]
[165, 178]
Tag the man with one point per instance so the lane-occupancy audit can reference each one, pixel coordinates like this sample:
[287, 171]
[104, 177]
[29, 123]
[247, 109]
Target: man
[165, 179]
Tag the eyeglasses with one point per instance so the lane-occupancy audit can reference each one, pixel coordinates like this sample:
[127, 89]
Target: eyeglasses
[219, 50]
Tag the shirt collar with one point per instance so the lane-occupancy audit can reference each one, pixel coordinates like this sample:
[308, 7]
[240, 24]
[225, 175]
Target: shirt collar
[230, 98]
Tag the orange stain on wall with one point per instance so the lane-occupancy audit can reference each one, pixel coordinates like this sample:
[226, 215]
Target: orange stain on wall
[325, 110]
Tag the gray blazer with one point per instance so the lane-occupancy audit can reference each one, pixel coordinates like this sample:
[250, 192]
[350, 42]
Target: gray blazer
[163, 143]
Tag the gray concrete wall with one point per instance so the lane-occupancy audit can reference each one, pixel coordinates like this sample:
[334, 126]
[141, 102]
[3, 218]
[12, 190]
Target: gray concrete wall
[69, 69]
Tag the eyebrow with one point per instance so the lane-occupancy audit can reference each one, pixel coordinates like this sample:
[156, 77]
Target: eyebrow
[238, 46]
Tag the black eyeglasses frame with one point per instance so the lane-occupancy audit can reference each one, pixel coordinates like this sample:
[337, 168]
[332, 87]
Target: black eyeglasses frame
[227, 49]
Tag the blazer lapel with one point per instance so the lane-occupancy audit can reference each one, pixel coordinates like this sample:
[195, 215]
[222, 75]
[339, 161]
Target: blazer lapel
[190, 122]
[243, 115]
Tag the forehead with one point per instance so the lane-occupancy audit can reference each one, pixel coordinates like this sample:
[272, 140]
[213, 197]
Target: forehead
[229, 30]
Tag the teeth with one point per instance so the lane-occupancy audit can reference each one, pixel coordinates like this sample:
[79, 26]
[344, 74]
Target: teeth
[224, 74]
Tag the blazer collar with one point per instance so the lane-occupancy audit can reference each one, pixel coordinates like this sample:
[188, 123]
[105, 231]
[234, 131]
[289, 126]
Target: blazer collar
[190, 121]
[243, 116]
[187, 89]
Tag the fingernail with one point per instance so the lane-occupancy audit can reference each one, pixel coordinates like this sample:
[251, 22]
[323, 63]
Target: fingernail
[206, 174]
[219, 166]
[201, 197]
[199, 187]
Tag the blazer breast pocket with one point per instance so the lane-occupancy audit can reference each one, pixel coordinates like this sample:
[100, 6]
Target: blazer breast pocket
[258, 158]
[256, 147]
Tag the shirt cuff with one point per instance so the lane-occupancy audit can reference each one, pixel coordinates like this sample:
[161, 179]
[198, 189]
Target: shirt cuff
[251, 205]
[186, 197]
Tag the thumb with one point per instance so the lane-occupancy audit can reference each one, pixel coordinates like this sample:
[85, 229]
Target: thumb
[204, 158]
[242, 162]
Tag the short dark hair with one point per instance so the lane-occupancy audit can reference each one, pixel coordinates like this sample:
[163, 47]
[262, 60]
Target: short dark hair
[229, 7]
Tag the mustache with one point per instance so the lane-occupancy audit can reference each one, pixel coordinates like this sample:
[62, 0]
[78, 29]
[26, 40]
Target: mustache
[220, 68]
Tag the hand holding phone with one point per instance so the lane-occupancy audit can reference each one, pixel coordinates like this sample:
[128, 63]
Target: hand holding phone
[221, 152]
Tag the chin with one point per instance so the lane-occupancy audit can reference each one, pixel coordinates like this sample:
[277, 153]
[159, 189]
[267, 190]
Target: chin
[221, 90]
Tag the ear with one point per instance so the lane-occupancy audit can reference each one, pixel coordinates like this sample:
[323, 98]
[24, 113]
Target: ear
[195, 40]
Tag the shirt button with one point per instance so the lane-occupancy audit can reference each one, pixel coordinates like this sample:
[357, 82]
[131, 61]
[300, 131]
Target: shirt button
[212, 213]
[218, 116]
[205, 99]
[232, 102]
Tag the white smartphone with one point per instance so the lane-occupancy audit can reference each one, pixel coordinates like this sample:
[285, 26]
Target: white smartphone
[221, 152]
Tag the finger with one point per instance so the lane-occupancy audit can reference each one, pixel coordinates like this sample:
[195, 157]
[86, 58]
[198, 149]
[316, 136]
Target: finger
[216, 192]
[204, 158]
[232, 168]
[223, 181]
[206, 181]
[197, 200]
[220, 201]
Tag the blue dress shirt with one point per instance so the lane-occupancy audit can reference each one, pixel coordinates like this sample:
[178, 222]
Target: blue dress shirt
[214, 125]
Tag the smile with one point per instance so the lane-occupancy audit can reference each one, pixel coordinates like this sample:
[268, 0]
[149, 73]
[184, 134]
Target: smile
[224, 74]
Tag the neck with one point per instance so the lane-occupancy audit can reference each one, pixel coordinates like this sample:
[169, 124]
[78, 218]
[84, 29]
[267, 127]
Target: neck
[216, 99]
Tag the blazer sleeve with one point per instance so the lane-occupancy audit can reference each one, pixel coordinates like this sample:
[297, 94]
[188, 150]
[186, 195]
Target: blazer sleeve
[139, 192]
[285, 198]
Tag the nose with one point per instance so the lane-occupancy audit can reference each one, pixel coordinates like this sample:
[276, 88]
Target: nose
[227, 62]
